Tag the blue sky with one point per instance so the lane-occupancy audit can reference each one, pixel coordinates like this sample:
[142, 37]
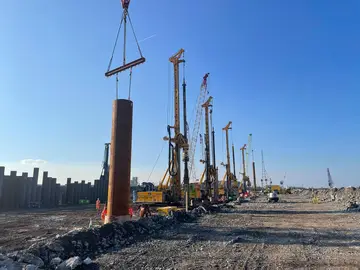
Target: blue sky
[285, 71]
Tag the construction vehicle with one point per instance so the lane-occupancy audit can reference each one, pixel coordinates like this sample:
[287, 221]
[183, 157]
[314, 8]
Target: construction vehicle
[209, 190]
[276, 188]
[273, 196]
[249, 149]
[264, 174]
[170, 192]
[163, 193]
[229, 185]
[195, 132]
[245, 183]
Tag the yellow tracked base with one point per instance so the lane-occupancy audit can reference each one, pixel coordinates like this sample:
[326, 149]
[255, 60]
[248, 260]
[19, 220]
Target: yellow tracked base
[166, 210]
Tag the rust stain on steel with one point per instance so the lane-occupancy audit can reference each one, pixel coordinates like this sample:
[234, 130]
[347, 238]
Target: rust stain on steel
[120, 159]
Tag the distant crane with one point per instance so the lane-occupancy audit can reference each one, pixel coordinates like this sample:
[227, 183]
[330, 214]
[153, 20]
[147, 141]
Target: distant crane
[282, 181]
[104, 176]
[248, 152]
[195, 133]
[330, 181]
[264, 174]
[231, 180]
[245, 179]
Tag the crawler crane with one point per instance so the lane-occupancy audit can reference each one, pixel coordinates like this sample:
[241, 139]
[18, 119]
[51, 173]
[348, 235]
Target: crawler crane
[195, 132]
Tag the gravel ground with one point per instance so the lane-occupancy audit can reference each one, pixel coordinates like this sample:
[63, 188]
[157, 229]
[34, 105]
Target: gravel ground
[291, 234]
[21, 229]
[257, 235]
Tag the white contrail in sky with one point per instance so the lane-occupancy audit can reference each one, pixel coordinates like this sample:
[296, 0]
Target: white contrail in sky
[154, 35]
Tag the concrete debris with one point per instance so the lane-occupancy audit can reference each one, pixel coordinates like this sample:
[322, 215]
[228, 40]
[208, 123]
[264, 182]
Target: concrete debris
[30, 259]
[238, 239]
[70, 264]
[55, 262]
[85, 244]
[9, 264]
[347, 198]
[31, 267]
[352, 206]
[3, 257]
[87, 261]
[230, 205]
[26, 257]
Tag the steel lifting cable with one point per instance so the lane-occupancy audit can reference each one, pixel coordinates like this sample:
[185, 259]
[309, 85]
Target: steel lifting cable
[138, 46]
[130, 75]
[222, 145]
[132, 28]
[116, 40]
[123, 18]
[157, 159]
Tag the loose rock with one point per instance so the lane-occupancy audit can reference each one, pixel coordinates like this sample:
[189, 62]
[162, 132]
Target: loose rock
[70, 264]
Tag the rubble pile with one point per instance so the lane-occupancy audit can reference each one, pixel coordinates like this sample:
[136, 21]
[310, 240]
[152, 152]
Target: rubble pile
[348, 197]
[77, 247]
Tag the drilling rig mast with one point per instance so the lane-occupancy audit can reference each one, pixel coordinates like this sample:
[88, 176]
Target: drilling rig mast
[214, 171]
[264, 173]
[245, 179]
[206, 107]
[179, 141]
[229, 176]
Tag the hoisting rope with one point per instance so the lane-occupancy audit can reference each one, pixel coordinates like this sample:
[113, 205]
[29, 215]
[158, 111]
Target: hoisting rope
[123, 18]
[222, 147]
[130, 75]
[157, 159]
[132, 28]
[116, 40]
[117, 85]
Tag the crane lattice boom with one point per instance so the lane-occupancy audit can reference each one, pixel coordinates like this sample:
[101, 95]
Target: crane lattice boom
[195, 133]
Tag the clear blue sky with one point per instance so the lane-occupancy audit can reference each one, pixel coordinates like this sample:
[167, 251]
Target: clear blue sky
[285, 71]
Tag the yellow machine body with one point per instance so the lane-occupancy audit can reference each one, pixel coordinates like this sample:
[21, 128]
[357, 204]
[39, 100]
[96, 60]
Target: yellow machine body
[276, 188]
[166, 210]
[150, 197]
